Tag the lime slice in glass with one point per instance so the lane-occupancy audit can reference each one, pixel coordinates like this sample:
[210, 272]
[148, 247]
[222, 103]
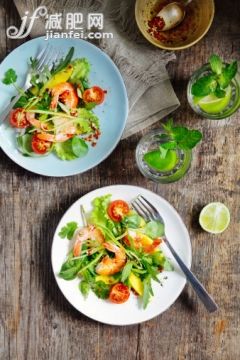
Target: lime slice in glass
[212, 104]
[214, 218]
[154, 160]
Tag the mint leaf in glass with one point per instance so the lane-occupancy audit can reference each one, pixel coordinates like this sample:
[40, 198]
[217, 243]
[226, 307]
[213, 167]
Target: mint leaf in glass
[179, 133]
[169, 125]
[216, 64]
[170, 145]
[204, 86]
[190, 141]
[219, 92]
[163, 152]
[166, 157]
[228, 73]
[182, 137]
[163, 148]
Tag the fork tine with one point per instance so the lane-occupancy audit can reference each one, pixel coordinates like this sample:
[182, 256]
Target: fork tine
[138, 210]
[44, 58]
[39, 56]
[56, 57]
[148, 205]
[148, 213]
[50, 61]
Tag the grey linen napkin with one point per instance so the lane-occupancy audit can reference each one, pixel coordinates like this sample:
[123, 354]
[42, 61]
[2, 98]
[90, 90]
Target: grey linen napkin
[143, 67]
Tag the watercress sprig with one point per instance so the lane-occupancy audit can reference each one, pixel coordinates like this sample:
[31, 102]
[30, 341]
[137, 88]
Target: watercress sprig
[218, 80]
[10, 78]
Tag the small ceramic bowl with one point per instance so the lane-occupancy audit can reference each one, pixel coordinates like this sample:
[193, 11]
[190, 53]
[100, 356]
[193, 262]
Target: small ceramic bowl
[197, 21]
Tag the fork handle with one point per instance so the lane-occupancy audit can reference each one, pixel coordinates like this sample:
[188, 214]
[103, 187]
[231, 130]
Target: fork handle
[202, 293]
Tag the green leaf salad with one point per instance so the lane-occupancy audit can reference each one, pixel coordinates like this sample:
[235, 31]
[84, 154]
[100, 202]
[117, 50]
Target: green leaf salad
[116, 254]
[56, 113]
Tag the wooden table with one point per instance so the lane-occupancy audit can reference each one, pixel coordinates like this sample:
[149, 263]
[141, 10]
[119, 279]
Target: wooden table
[36, 320]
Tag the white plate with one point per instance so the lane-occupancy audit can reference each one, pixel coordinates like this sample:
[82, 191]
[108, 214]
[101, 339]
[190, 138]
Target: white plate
[129, 312]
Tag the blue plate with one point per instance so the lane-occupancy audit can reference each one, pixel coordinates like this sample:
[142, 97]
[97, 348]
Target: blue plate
[112, 113]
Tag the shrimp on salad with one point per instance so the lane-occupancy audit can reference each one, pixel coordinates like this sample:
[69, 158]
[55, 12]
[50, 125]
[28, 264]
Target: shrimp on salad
[112, 265]
[66, 93]
[56, 114]
[118, 251]
[89, 232]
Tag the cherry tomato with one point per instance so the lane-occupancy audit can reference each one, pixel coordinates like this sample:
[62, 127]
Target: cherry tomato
[117, 209]
[18, 118]
[119, 293]
[40, 146]
[95, 94]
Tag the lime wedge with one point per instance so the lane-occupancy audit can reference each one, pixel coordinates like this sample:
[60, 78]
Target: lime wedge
[214, 218]
[212, 104]
[154, 160]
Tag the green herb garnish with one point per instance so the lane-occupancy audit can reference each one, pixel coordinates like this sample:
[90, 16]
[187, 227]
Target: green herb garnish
[84, 287]
[101, 289]
[147, 291]
[126, 271]
[68, 230]
[215, 83]
[70, 268]
[10, 77]
[63, 62]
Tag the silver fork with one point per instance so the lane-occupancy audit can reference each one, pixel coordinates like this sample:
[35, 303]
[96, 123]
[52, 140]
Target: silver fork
[145, 209]
[47, 57]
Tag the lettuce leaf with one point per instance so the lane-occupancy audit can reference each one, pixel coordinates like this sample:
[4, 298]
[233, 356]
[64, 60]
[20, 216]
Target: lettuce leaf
[99, 215]
[85, 119]
[71, 149]
[64, 150]
[81, 69]
[154, 229]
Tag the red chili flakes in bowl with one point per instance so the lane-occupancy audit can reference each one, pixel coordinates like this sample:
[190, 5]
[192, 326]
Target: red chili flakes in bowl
[156, 24]
[178, 34]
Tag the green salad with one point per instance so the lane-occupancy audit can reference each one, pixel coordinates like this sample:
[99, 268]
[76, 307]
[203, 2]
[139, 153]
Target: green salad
[56, 113]
[116, 253]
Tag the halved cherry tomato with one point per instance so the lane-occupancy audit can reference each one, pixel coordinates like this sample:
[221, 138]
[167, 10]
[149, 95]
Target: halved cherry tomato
[95, 94]
[117, 209]
[40, 146]
[119, 293]
[18, 118]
